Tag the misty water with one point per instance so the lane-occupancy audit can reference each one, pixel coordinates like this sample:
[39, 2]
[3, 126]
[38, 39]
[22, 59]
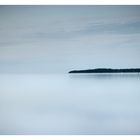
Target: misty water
[70, 104]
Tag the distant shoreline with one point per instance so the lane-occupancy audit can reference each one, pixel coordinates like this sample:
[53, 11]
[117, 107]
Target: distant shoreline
[107, 70]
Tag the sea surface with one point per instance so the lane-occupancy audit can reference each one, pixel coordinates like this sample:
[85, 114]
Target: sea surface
[70, 104]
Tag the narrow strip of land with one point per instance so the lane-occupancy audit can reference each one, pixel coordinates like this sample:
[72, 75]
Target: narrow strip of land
[107, 70]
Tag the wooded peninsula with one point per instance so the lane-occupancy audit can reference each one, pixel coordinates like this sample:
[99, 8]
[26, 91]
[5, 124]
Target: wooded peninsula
[107, 70]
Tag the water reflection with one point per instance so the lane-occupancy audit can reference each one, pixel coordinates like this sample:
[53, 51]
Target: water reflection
[70, 104]
[105, 76]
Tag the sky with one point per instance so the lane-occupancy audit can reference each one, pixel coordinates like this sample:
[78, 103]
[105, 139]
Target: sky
[57, 39]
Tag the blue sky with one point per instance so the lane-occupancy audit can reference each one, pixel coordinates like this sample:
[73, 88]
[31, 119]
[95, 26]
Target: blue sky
[57, 39]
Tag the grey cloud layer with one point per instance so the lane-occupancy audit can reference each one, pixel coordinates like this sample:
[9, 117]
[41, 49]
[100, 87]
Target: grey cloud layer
[44, 37]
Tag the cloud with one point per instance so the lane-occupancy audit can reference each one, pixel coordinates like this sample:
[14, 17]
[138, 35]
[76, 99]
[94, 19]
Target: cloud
[61, 38]
[89, 28]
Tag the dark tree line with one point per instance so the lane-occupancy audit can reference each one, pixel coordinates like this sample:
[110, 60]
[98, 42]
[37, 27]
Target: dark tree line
[107, 70]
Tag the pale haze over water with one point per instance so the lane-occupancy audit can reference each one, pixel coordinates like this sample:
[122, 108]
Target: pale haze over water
[70, 104]
[39, 45]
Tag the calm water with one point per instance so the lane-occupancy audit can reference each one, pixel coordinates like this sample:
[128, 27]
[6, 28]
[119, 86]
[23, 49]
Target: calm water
[70, 104]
